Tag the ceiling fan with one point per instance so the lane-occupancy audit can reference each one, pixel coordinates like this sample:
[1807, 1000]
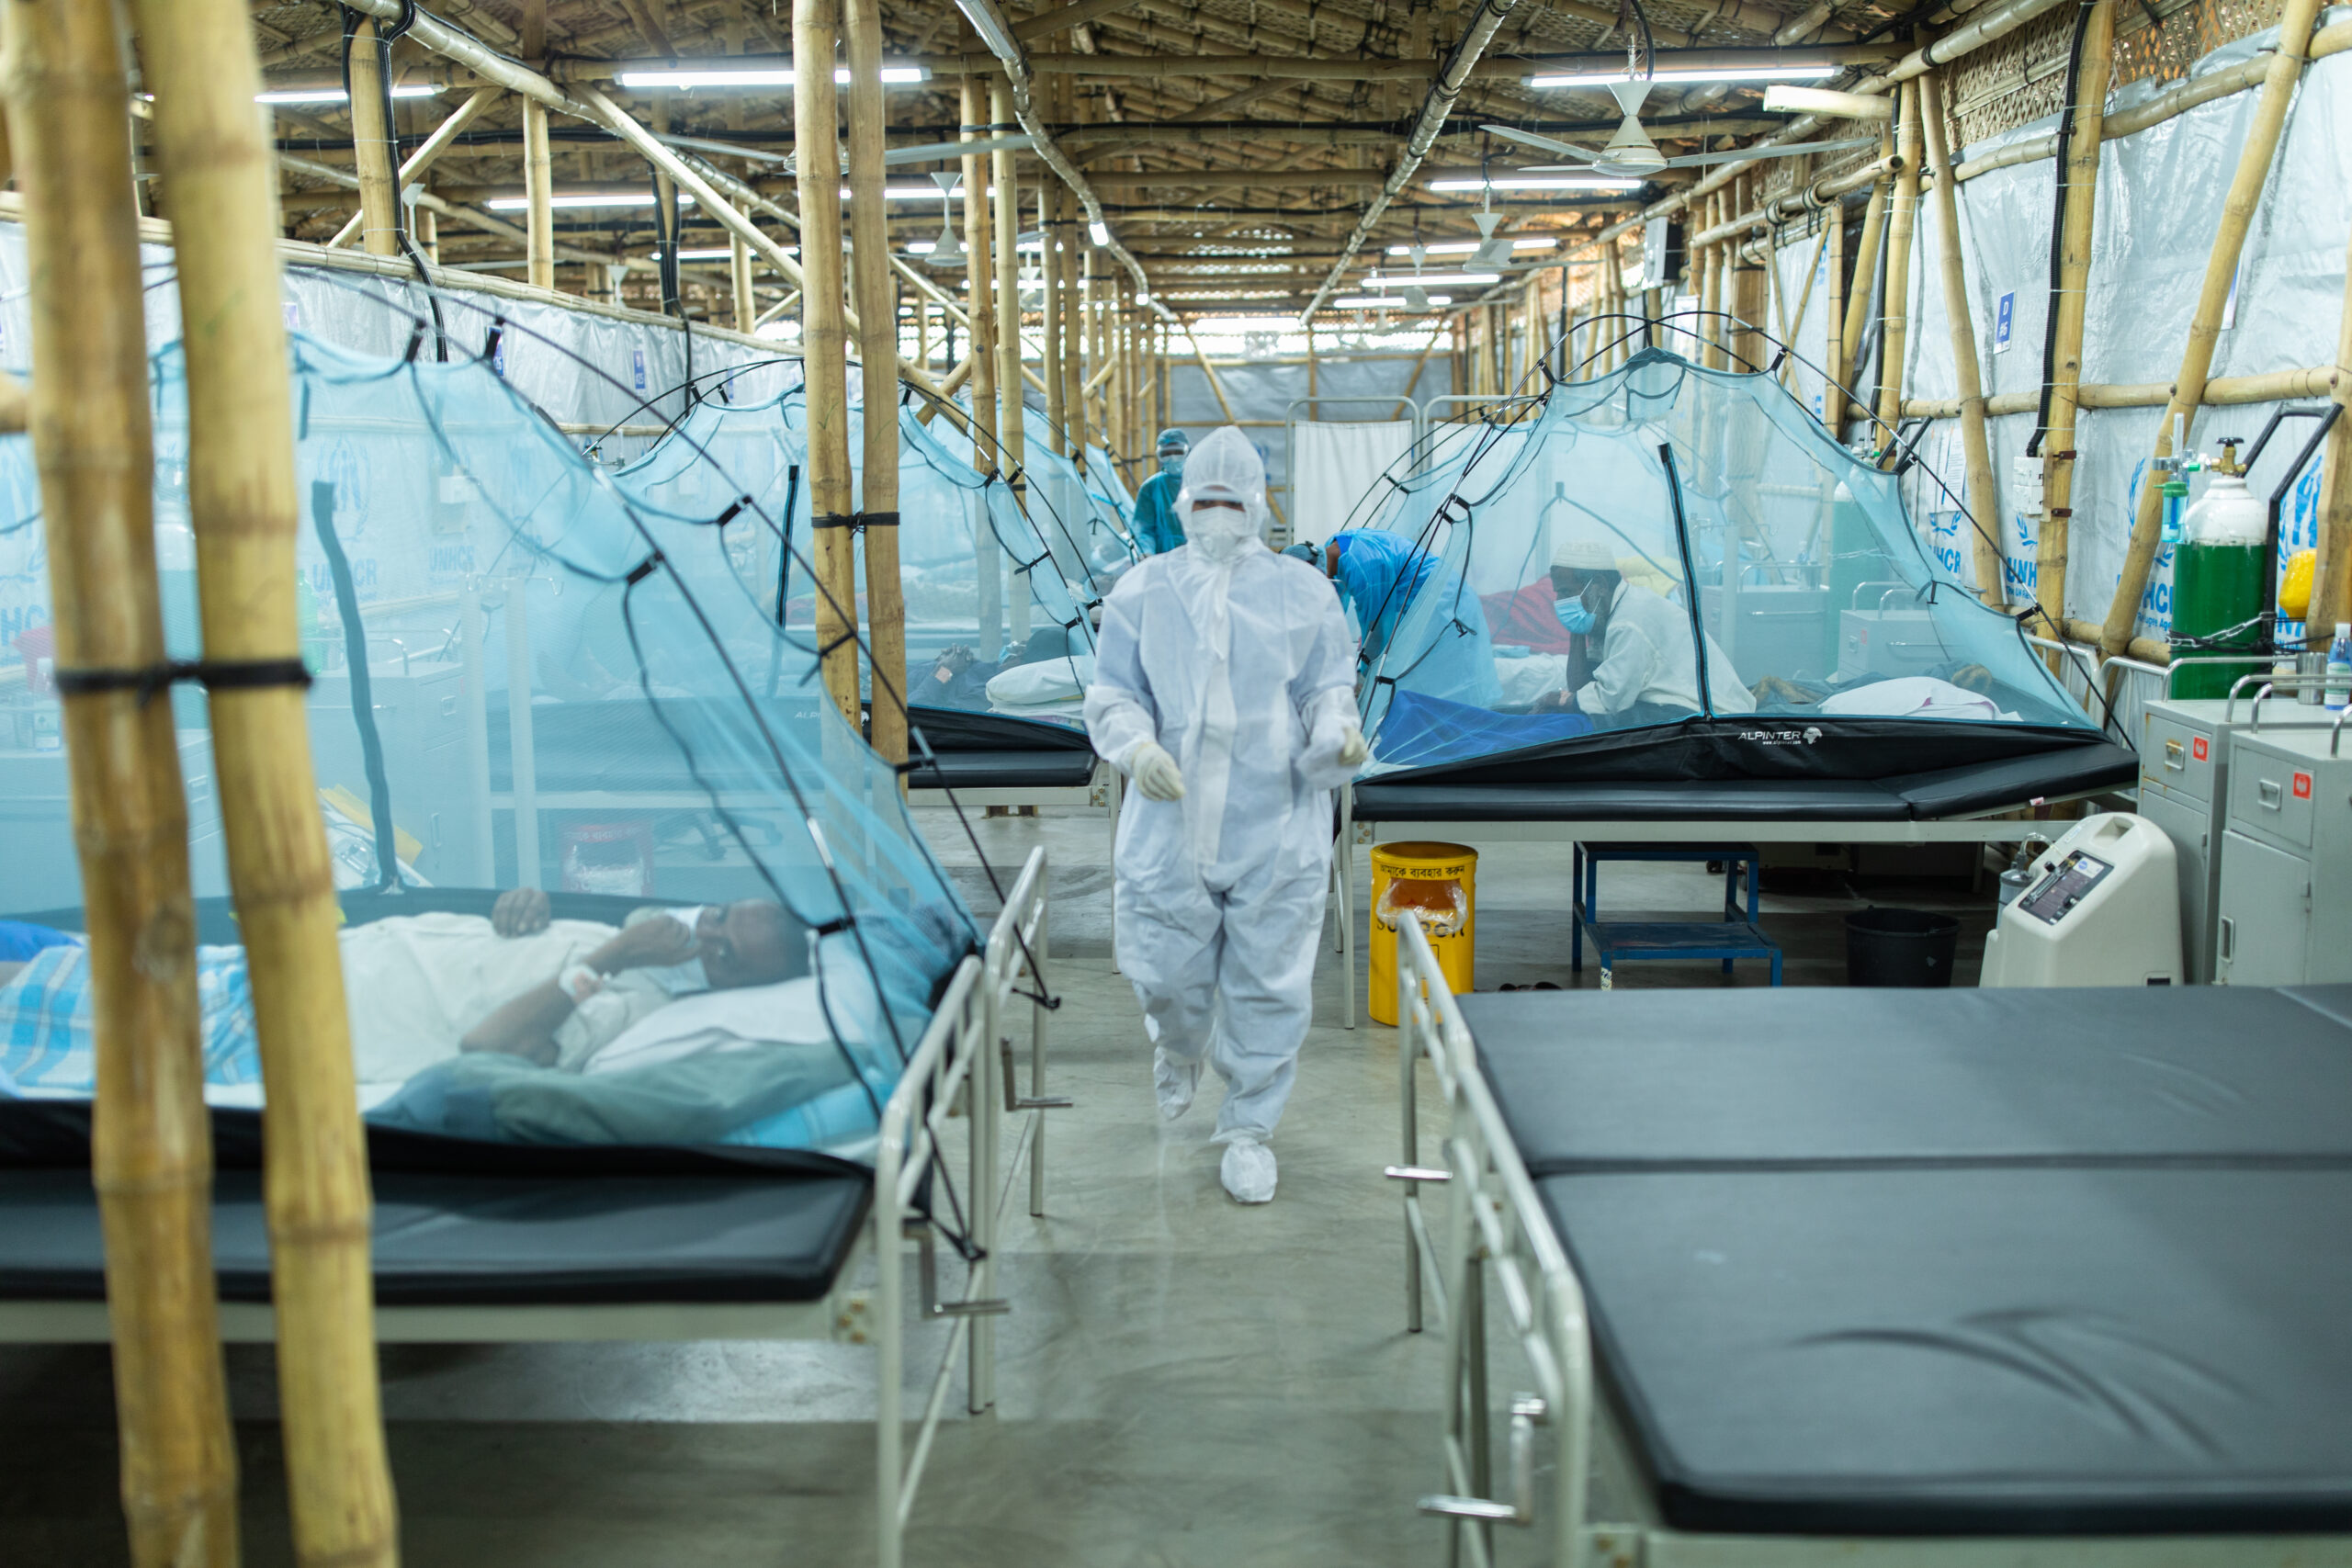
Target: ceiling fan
[1632, 153]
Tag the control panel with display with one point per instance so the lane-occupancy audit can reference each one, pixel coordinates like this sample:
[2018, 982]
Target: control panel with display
[2065, 887]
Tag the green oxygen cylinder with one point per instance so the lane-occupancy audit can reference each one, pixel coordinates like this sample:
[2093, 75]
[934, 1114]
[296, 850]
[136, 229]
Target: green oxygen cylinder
[2217, 570]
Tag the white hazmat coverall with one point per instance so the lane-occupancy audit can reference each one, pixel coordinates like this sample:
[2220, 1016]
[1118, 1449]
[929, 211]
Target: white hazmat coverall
[1237, 661]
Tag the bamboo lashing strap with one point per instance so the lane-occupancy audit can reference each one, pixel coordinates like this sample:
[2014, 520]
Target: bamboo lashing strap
[218, 675]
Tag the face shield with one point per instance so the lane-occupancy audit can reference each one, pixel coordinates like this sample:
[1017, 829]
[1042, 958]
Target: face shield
[1223, 502]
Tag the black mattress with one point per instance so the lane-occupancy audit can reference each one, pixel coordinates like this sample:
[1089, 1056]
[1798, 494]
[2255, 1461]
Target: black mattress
[1970, 789]
[1003, 770]
[1965, 1262]
[472, 1224]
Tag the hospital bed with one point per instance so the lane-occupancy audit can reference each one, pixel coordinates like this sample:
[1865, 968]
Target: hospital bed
[1971, 802]
[1949, 1278]
[500, 1243]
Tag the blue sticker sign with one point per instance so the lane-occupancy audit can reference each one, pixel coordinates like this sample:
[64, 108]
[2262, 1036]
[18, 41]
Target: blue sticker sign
[637, 368]
[2005, 311]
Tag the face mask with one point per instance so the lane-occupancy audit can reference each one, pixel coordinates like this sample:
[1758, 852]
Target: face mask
[1220, 534]
[1172, 464]
[1573, 615]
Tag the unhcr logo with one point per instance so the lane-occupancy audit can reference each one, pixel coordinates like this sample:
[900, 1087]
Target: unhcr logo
[1805, 736]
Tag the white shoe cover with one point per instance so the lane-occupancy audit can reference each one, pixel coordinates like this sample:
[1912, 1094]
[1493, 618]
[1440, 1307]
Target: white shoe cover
[1248, 1171]
[1175, 1082]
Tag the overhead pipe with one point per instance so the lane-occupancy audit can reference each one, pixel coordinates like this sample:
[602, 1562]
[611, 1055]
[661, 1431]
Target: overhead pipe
[1491, 17]
[988, 20]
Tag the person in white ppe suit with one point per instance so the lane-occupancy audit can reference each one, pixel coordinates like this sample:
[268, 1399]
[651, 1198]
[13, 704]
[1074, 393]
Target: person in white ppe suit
[1224, 687]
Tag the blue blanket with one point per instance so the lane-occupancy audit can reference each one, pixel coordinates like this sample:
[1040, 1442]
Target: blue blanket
[46, 1044]
[1422, 732]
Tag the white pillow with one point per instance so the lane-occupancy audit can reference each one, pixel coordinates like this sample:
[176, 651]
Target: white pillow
[787, 1013]
[1914, 697]
[1057, 679]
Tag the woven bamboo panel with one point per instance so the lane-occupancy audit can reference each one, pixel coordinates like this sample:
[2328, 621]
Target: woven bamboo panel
[2164, 49]
[2023, 77]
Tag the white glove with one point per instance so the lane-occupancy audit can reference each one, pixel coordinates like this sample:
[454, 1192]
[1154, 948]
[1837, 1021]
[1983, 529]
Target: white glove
[1154, 772]
[1353, 747]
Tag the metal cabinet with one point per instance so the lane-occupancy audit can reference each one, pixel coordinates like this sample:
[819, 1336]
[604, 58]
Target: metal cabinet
[2184, 758]
[2284, 911]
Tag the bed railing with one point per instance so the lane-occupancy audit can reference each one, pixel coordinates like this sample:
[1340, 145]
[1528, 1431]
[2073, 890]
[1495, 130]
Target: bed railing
[1499, 1233]
[961, 1069]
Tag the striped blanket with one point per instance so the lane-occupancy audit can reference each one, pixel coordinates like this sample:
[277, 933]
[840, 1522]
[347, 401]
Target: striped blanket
[46, 1047]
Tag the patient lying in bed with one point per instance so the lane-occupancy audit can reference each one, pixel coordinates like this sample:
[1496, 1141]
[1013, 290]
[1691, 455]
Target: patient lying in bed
[516, 1026]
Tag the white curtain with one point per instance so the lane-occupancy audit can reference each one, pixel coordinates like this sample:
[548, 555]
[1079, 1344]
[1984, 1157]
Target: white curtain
[1332, 466]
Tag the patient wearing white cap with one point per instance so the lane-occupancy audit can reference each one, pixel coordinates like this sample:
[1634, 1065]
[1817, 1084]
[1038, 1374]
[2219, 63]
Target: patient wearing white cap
[1644, 655]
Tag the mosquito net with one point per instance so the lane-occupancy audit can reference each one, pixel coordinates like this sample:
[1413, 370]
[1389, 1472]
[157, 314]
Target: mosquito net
[530, 675]
[998, 587]
[1672, 572]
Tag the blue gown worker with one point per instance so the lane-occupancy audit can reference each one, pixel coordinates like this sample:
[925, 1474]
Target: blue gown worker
[1158, 527]
[1224, 688]
[1448, 651]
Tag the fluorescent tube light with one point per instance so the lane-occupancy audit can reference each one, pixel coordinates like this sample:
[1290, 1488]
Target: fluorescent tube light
[1431, 279]
[336, 94]
[688, 74]
[1536, 181]
[1463, 247]
[592, 199]
[1693, 75]
[1389, 303]
[726, 254]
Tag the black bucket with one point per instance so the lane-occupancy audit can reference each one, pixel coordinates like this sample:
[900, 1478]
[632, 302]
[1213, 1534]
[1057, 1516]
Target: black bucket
[1900, 947]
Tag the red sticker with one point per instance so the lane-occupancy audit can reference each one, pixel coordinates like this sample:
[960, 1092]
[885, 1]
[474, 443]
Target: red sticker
[2197, 747]
[2303, 786]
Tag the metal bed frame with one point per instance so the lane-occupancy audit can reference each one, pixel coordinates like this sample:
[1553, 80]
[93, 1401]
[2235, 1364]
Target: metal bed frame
[1593, 1511]
[964, 1063]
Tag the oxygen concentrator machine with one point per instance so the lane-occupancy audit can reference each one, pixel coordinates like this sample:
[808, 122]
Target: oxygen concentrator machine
[2103, 909]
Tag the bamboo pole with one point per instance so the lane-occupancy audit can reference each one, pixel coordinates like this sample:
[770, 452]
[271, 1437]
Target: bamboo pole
[242, 505]
[1814, 273]
[412, 167]
[2332, 577]
[539, 189]
[823, 347]
[371, 145]
[1858, 299]
[2080, 172]
[1049, 354]
[1983, 490]
[2204, 328]
[1073, 364]
[877, 306]
[151, 1139]
[1833, 323]
[747, 308]
[1011, 435]
[978, 276]
[1894, 322]
[2222, 391]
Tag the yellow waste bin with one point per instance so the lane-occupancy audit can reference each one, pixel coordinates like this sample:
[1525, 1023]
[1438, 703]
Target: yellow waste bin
[1439, 883]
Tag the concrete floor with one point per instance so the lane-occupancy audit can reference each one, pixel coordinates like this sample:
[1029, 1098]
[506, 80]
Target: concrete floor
[1183, 1381]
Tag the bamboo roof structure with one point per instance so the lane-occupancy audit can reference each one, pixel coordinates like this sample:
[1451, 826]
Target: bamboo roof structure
[1183, 117]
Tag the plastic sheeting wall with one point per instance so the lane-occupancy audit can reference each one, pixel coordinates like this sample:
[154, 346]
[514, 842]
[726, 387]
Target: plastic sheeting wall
[2159, 209]
[1262, 396]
